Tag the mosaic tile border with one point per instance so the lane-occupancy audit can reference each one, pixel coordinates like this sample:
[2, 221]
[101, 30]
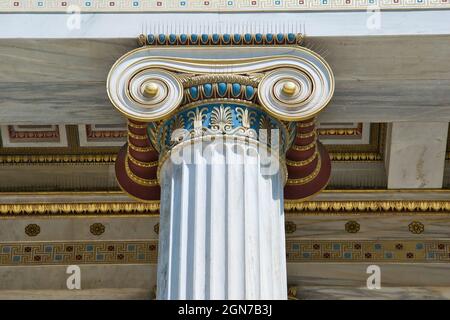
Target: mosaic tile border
[297, 251]
[66, 253]
[414, 251]
[216, 5]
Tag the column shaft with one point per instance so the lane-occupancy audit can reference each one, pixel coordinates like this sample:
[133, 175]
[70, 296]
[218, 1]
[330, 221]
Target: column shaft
[222, 225]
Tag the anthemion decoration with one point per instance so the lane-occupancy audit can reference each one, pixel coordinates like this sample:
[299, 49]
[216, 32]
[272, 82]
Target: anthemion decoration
[221, 130]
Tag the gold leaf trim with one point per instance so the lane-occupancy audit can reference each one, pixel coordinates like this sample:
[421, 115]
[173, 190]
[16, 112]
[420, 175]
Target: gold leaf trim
[302, 163]
[305, 147]
[108, 208]
[306, 135]
[356, 156]
[137, 126]
[139, 149]
[306, 124]
[111, 158]
[306, 207]
[58, 158]
[339, 132]
[308, 178]
[137, 136]
[141, 163]
[139, 180]
[385, 206]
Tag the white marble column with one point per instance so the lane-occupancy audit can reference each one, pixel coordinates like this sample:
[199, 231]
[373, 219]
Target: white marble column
[415, 154]
[222, 224]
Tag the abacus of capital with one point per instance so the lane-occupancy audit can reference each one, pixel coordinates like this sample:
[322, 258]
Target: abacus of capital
[221, 129]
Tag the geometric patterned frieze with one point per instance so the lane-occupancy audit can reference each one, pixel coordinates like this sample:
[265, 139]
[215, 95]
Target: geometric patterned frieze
[415, 251]
[297, 251]
[34, 136]
[216, 5]
[78, 252]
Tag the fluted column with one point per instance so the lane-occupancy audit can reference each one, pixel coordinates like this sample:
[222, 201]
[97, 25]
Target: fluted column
[222, 224]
